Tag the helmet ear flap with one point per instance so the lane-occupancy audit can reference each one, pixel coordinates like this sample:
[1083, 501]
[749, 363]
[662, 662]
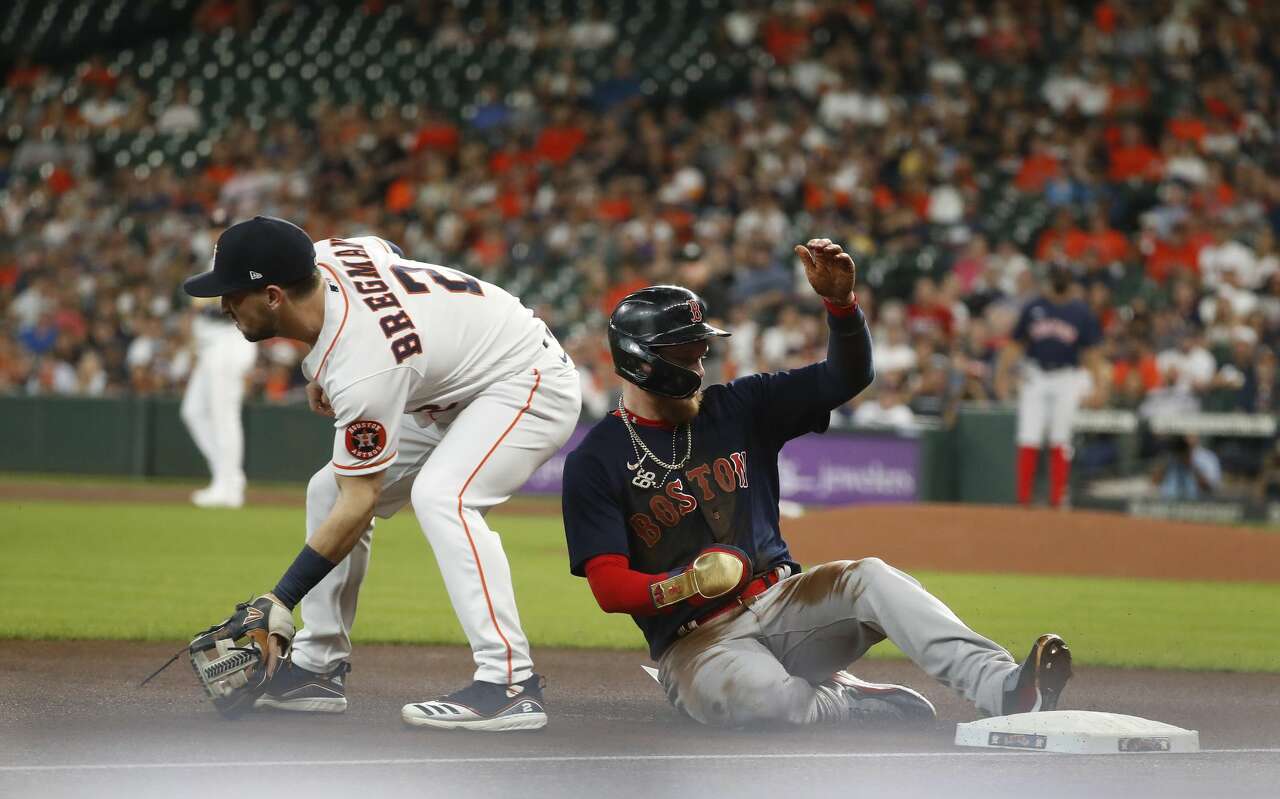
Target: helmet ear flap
[631, 360]
[638, 364]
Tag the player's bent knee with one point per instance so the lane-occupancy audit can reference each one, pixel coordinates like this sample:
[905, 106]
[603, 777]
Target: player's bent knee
[766, 706]
[429, 499]
[872, 569]
[322, 492]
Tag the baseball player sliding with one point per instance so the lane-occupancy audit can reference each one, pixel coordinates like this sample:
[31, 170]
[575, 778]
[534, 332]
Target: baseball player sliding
[1057, 334]
[446, 394]
[671, 513]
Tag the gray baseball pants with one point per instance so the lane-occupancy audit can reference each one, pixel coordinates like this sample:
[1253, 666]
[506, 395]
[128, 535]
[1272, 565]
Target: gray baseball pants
[759, 663]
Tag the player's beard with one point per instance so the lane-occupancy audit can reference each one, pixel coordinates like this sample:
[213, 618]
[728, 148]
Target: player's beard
[678, 411]
[265, 329]
[259, 334]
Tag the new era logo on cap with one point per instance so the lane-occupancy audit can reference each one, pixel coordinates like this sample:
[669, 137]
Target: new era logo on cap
[280, 251]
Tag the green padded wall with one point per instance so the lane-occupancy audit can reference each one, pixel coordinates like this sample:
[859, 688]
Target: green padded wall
[72, 434]
[985, 455]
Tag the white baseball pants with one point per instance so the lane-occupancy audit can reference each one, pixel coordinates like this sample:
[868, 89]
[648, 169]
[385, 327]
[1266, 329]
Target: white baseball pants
[1047, 405]
[452, 472]
[212, 404]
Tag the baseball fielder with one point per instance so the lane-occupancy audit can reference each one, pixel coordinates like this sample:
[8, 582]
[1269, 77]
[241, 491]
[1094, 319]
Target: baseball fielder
[1057, 334]
[671, 513]
[212, 403]
[446, 394]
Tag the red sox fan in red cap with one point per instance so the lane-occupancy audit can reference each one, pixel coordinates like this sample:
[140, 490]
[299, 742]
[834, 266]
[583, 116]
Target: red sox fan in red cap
[671, 513]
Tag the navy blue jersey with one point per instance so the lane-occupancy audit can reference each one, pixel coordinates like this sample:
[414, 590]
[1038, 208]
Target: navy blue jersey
[1055, 334]
[726, 493]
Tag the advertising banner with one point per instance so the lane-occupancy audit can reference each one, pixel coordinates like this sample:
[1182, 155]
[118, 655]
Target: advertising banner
[830, 469]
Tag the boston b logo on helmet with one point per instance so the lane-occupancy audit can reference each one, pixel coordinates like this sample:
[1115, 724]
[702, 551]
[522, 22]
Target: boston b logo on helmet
[648, 320]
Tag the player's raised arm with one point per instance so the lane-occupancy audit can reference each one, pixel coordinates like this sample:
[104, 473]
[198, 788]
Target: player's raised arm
[848, 367]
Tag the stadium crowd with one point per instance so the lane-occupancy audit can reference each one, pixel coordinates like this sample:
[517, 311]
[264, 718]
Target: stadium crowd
[1139, 137]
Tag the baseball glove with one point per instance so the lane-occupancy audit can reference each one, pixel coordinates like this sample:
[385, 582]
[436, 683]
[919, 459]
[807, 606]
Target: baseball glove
[234, 660]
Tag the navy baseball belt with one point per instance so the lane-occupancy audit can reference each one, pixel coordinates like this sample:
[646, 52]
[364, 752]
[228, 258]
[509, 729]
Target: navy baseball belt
[744, 600]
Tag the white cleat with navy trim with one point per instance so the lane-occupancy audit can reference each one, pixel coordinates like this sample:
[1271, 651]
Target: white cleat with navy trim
[483, 706]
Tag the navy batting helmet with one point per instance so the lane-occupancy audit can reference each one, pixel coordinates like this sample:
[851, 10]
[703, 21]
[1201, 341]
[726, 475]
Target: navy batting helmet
[652, 318]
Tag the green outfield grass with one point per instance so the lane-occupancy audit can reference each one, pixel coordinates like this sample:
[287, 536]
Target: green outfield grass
[160, 572]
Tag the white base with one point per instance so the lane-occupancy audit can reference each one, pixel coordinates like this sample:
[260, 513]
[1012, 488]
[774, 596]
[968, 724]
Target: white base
[1080, 732]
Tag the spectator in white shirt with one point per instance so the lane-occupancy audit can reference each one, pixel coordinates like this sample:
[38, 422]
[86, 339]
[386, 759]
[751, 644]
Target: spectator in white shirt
[1072, 89]
[1189, 366]
[181, 116]
[593, 33]
[102, 110]
[892, 352]
[1182, 162]
[1225, 255]
[886, 408]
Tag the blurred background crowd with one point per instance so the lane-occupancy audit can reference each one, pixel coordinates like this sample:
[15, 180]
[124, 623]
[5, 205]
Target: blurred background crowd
[574, 151]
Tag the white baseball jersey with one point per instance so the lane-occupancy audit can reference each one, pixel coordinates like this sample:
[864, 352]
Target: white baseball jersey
[405, 337]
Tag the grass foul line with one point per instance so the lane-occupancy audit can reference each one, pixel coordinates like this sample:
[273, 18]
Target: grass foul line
[428, 761]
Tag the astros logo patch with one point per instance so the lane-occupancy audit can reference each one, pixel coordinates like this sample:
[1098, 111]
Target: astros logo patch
[366, 439]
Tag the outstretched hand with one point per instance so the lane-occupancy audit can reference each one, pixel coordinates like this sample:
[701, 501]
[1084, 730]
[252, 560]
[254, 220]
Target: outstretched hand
[829, 268]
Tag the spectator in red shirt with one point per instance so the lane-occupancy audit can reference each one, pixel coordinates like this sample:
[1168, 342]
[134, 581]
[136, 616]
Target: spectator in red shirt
[1188, 128]
[561, 140]
[96, 73]
[785, 37]
[629, 279]
[1133, 158]
[436, 134]
[1064, 234]
[1135, 363]
[1131, 94]
[24, 74]
[1109, 244]
[1038, 168]
[1179, 253]
[927, 315]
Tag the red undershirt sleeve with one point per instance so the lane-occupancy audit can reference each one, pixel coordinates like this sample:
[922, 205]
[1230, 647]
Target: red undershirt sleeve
[620, 589]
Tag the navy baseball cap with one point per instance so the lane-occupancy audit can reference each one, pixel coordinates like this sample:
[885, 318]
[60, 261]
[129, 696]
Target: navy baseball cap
[257, 252]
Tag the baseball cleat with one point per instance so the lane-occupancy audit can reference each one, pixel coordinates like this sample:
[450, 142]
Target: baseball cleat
[295, 688]
[212, 497]
[483, 706]
[878, 702]
[1041, 677]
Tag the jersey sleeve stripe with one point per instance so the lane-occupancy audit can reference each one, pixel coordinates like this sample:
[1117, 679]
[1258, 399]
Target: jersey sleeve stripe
[378, 462]
[346, 309]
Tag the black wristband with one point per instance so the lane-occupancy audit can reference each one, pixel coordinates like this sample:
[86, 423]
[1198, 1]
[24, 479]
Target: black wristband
[308, 569]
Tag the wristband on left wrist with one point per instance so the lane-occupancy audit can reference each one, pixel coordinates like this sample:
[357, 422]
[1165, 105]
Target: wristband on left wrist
[841, 308]
[306, 571]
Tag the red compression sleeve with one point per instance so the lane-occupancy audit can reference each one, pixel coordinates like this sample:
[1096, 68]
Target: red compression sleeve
[620, 589]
